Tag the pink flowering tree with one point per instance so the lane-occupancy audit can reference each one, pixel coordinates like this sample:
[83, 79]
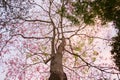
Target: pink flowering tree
[37, 42]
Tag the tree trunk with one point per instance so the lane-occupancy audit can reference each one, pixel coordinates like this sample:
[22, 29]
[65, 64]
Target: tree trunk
[56, 67]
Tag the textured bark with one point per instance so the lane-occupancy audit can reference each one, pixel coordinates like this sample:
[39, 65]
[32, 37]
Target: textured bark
[56, 67]
[54, 76]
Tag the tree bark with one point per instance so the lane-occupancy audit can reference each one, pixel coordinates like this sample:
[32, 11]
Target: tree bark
[56, 67]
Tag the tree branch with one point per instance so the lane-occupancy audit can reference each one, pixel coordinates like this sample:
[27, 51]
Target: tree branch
[5, 45]
[31, 37]
[36, 20]
[90, 64]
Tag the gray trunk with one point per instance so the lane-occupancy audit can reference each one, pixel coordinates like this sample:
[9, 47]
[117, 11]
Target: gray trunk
[56, 67]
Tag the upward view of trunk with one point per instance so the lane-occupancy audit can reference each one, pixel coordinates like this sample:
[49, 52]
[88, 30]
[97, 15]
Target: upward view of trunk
[56, 67]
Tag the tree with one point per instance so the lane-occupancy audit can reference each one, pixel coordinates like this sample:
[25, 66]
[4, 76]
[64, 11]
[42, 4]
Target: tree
[48, 34]
[106, 11]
